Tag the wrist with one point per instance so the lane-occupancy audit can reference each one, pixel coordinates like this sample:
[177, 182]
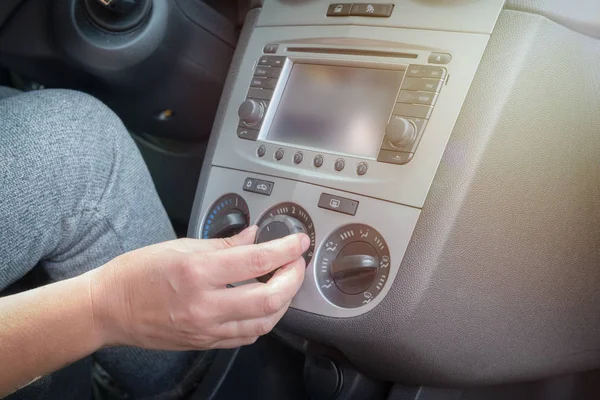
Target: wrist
[101, 308]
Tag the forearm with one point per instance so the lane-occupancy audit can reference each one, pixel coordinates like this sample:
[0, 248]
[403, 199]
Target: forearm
[45, 329]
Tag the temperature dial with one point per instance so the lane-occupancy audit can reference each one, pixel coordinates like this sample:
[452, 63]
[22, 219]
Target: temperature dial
[283, 220]
[353, 265]
[228, 216]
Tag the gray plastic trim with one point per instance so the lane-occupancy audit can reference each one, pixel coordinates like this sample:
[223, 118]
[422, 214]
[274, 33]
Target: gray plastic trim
[243, 40]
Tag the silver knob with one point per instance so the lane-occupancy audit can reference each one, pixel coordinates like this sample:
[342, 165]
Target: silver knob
[400, 132]
[251, 112]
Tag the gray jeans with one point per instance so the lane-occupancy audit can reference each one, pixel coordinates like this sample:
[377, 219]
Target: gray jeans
[74, 194]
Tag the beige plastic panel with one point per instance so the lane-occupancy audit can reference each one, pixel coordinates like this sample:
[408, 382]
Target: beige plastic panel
[473, 16]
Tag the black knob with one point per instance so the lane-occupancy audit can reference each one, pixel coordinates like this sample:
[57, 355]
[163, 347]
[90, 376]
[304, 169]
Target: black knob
[355, 268]
[400, 132]
[275, 228]
[228, 225]
[251, 112]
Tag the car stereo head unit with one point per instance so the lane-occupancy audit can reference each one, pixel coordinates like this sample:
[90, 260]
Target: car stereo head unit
[341, 107]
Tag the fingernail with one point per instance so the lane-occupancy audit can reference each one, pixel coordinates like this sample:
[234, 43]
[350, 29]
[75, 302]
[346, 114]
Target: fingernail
[305, 243]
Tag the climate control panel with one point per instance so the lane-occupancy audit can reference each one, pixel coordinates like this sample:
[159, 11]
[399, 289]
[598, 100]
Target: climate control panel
[350, 265]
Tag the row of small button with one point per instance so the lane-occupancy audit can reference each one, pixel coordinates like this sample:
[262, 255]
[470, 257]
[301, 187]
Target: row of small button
[258, 186]
[318, 160]
[360, 10]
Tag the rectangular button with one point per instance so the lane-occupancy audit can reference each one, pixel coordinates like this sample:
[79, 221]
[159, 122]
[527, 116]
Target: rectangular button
[413, 110]
[272, 61]
[414, 97]
[339, 10]
[415, 71]
[439, 58]
[371, 10]
[263, 187]
[338, 204]
[248, 134]
[249, 185]
[424, 84]
[394, 157]
[270, 48]
[434, 72]
[260, 94]
[269, 72]
[263, 83]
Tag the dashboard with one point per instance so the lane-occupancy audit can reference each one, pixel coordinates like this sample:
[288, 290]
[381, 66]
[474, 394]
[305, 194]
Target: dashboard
[454, 226]
[441, 155]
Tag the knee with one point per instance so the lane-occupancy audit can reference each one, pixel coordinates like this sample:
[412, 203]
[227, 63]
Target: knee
[60, 141]
[65, 117]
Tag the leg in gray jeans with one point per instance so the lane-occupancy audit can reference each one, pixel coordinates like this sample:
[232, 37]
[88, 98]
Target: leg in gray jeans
[74, 194]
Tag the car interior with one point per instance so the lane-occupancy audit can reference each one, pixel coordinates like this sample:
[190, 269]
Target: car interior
[443, 156]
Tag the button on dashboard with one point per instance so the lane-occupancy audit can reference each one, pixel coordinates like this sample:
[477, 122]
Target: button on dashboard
[270, 48]
[272, 61]
[260, 94]
[371, 10]
[269, 72]
[263, 187]
[339, 10]
[394, 157]
[249, 185]
[362, 168]
[248, 134]
[414, 97]
[263, 82]
[439, 58]
[423, 84]
[338, 204]
[412, 110]
[279, 154]
[298, 157]
[318, 161]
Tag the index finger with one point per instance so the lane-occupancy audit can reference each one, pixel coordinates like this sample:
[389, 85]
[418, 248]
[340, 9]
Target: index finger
[241, 263]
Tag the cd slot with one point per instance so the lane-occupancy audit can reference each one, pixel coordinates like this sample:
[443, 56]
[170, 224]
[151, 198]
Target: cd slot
[352, 52]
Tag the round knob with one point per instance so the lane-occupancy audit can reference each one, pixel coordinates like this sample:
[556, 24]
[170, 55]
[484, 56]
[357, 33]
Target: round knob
[251, 112]
[355, 268]
[275, 228]
[400, 132]
[228, 225]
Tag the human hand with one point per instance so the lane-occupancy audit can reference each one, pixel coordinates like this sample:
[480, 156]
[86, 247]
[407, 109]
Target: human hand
[174, 295]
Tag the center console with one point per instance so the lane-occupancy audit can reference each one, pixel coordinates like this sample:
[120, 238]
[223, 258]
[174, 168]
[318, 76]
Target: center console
[333, 123]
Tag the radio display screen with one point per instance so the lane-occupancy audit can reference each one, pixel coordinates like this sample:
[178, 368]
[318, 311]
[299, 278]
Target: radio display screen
[336, 108]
